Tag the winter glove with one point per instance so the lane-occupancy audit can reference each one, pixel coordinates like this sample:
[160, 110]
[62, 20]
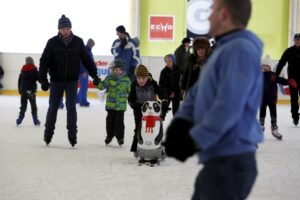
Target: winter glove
[293, 83]
[178, 143]
[96, 81]
[45, 85]
[123, 43]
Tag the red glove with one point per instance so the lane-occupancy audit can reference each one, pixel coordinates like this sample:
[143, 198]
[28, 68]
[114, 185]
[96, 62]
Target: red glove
[293, 83]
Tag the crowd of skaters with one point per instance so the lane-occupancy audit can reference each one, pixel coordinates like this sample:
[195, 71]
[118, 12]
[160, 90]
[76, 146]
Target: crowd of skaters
[199, 80]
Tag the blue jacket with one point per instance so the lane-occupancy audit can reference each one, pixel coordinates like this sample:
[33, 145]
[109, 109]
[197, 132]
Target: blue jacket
[223, 103]
[82, 67]
[130, 53]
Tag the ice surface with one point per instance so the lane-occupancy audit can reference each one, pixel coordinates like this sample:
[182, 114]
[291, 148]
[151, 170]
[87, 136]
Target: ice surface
[32, 171]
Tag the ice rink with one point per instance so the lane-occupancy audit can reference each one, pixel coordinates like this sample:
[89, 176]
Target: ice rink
[29, 170]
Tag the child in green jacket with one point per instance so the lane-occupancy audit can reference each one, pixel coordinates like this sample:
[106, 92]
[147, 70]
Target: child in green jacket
[117, 84]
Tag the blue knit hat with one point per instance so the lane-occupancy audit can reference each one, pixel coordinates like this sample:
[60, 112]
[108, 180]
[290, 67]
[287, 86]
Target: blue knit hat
[64, 22]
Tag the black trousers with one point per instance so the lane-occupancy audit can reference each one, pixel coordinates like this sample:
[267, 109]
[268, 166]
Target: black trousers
[115, 124]
[273, 113]
[294, 94]
[25, 97]
[137, 119]
[56, 94]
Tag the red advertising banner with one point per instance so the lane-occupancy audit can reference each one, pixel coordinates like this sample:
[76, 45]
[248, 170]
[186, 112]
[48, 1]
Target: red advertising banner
[161, 27]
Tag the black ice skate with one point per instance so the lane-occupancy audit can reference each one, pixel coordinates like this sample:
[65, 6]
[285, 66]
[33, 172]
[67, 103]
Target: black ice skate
[107, 140]
[275, 133]
[19, 119]
[73, 141]
[36, 121]
[48, 137]
[120, 142]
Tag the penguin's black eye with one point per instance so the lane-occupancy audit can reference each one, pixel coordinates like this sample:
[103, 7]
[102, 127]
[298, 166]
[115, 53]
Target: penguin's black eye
[156, 107]
[145, 107]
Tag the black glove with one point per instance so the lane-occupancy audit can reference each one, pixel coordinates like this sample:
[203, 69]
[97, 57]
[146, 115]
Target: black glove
[96, 81]
[123, 43]
[45, 85]
[178, 143]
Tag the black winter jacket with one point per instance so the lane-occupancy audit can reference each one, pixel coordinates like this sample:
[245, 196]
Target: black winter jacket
[28, 78]
[291, 56]
[63, 62]
[169, 81]
[191, 73]
[270, 87]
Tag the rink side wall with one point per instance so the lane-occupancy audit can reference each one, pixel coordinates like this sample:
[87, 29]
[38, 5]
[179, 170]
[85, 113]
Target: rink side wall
[12, 63]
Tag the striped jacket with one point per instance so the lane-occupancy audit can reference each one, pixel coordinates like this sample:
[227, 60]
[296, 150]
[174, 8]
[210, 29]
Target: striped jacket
[118, 89]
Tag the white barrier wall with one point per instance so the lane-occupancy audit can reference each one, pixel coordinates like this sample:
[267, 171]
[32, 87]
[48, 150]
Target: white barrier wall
[12, 63]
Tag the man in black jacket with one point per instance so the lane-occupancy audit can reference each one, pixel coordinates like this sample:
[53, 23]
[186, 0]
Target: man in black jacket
[61, 59]
[292, 56]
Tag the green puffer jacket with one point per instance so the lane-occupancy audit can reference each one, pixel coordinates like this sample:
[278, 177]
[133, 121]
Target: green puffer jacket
[118, 89]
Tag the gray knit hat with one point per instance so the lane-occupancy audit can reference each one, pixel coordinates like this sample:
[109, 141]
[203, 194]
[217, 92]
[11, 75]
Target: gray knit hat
[119, 63]
[29, 60]
[64, 22]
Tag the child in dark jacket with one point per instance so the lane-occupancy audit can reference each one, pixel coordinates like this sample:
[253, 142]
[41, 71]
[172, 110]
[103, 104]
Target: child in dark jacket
[270, 96]
[143, 89]
[169, 83]
[27, 88]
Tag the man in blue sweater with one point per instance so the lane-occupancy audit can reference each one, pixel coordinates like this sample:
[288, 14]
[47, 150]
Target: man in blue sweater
[218, 118]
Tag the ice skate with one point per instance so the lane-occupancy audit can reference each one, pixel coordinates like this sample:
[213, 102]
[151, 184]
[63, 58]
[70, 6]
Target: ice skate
[19, 119]
[36, 121]
[135, 155]
[48, 137]
[73, 141]
[275, 133]
[120, 142]
[107, 140]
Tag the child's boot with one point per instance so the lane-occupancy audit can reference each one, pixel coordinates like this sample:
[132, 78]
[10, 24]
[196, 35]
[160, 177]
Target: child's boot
[275, 133]
[19, 119]
[36, 121]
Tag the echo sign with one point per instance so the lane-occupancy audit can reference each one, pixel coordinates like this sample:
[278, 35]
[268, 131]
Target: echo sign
[161, 28]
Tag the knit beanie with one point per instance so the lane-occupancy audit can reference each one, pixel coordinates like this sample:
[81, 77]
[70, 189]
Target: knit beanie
[29, 60]
[297, 36]
[121, 29]
[142, 71]
[267, 61]
[119, 63]
[64, 22]
[90, 43]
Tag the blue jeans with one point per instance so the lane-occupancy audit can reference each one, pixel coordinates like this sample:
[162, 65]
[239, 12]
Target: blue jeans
[56, 94]
[226, 178]
[84, 85]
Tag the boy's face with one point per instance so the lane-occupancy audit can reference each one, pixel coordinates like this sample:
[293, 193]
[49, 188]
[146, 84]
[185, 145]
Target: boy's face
[118, 71]
[266, 68]
[169, 62]
[142, 80]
